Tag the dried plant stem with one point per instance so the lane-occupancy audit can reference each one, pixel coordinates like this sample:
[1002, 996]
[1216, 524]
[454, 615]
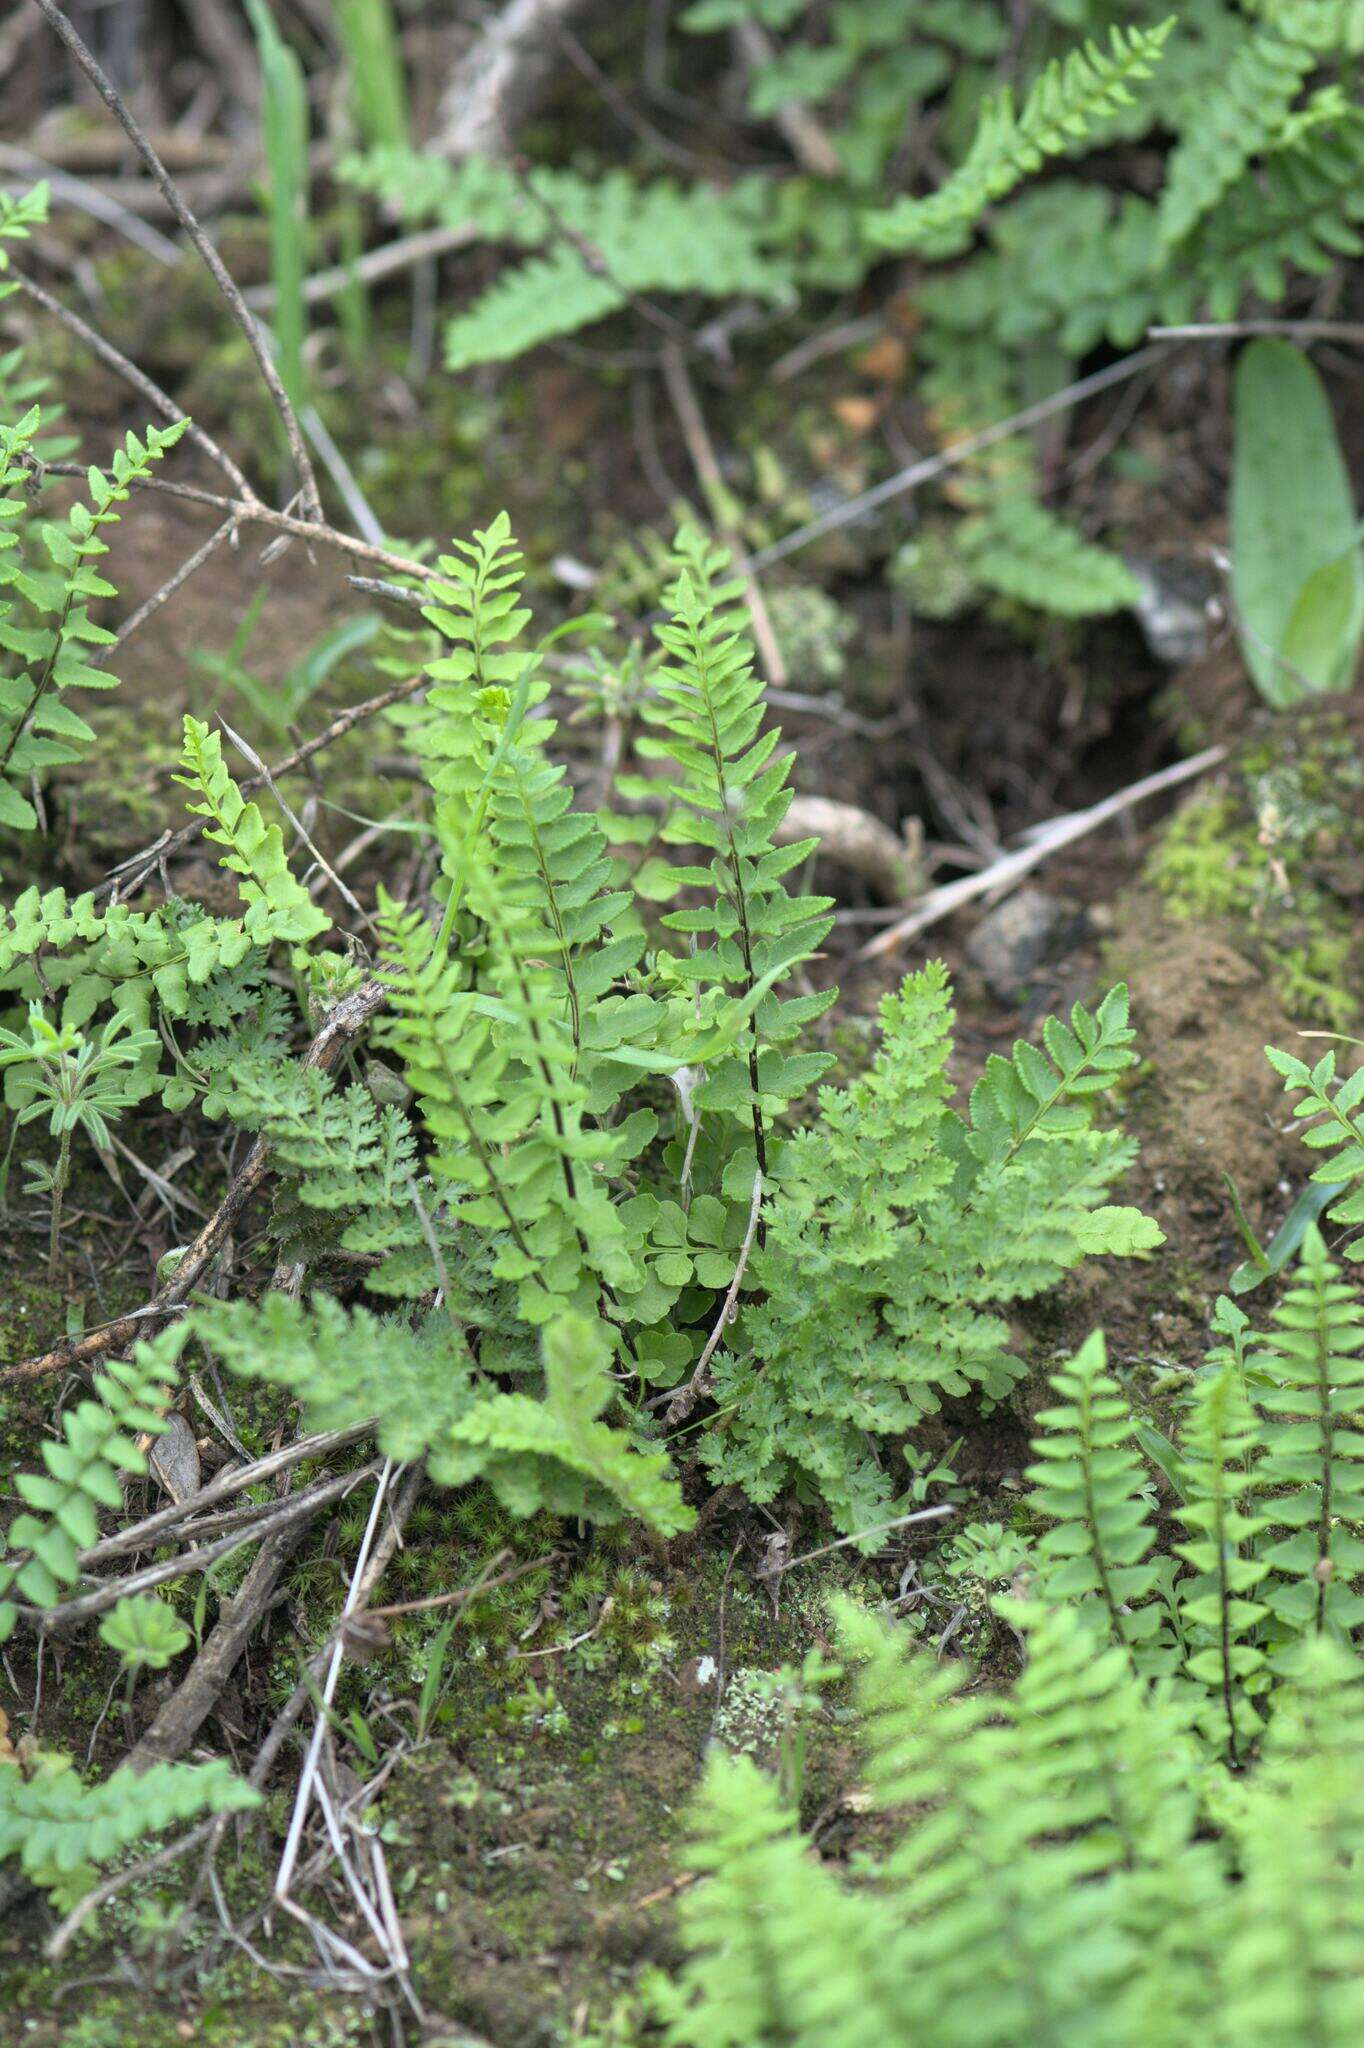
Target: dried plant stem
[146, 387]
[695, 433]
[253, 510]
[686, 1398]
[213, 262]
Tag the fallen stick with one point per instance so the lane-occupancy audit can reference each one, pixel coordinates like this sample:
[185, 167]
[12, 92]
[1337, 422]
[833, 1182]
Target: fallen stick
[924, 471]
[500, 77]
[1004, 874]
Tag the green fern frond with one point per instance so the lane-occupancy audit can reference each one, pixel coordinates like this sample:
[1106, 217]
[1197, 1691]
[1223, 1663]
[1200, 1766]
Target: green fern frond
[277, 906]
[85, 1472]
[1239, 122]
[876, 1288]
[61, 1828]
[731, 795]
[1334, 1114]
[45, 623]
[1309, 1479]
[1021, 550]
[1219, 1434]
[1072, 95]
[1089, 1481]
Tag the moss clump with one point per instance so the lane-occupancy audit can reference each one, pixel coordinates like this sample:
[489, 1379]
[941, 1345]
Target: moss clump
[1275, 855]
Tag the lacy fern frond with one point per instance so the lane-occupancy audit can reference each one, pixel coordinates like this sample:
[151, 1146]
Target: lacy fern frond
[605, 240]
[1019, 549]
[875, 1287]
[346, 1367]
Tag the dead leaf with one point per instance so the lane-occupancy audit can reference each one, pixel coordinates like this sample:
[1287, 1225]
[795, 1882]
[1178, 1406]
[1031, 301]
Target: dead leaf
[174, 1459]
[858, 414]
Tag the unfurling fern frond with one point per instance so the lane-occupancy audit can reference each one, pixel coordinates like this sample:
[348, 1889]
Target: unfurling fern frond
[1309, 1480]
[1070, 98]
[277, 906]
[85, 1472]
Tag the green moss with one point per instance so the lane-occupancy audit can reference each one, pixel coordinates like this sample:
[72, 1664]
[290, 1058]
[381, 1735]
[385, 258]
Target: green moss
[1275, 854]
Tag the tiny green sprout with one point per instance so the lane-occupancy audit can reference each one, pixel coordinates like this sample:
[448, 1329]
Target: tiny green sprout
[147, 1633]
[78, 1083]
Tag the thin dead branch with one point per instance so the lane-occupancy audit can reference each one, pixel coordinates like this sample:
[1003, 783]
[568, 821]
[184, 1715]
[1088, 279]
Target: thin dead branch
[129, 875]
[213, 262]
[1006, 873]
[500, 77]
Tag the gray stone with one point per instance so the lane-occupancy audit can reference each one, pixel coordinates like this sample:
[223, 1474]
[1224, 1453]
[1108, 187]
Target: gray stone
[1026, 931]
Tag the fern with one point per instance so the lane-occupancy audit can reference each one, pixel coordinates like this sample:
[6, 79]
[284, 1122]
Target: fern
[732, 794]
[1216, 1443]
[605, 240]
[425, 1398]
[1069, 98]
[277, 907]
[1240, 121]
[1287, 1947]
[1020, 550]
[558, 1453]
[1309, 1480]
[62, 1828]
[83, 1473]
[1334, 1111]
[1090, 1482]
[45, 621]
[875, 1286]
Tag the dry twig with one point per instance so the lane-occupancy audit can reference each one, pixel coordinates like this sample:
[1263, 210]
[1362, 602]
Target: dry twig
[1008, 871]
[213, 262]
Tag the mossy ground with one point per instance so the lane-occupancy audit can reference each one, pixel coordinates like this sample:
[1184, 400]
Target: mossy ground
[533, 1831]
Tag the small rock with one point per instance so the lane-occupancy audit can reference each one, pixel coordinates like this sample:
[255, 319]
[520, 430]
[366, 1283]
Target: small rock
[1027, 930]
[1177, 608]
